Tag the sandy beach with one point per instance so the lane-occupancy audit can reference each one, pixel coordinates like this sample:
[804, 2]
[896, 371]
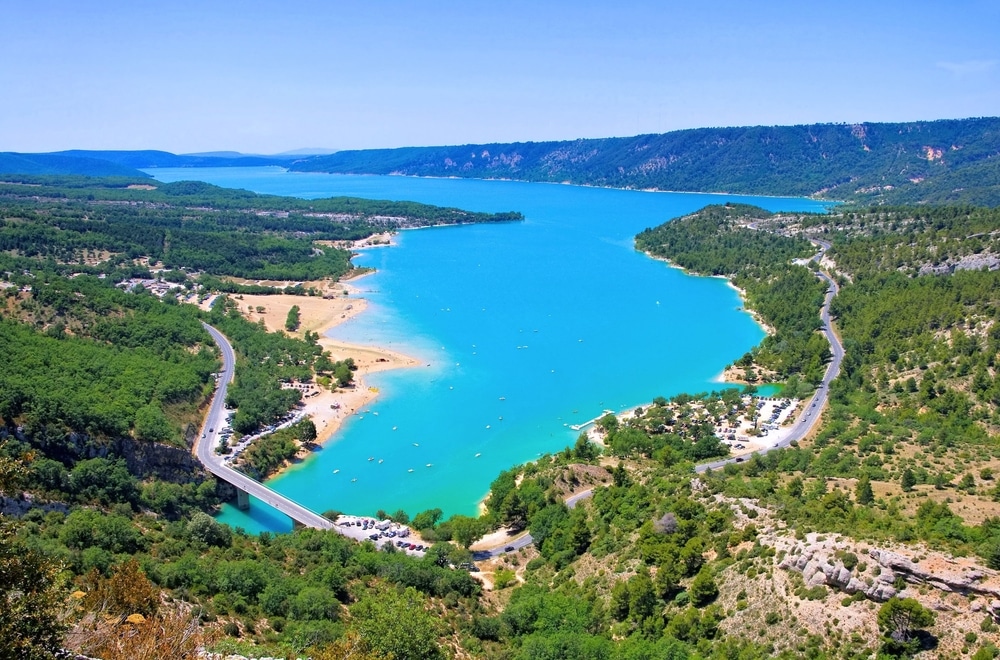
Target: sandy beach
[327, 409]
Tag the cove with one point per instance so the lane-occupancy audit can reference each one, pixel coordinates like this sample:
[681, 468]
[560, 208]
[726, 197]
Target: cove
[524, 329]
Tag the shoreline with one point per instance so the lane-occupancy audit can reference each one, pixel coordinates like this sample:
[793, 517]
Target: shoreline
[810, 197]
[730, 374]
[328, 409]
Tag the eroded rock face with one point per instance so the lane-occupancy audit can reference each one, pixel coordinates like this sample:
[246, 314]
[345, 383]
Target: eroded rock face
[821, 562]
[143, 459]
[961, 582]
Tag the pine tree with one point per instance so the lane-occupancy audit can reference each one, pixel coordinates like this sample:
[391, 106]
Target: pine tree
[907, 481]
[863, 492]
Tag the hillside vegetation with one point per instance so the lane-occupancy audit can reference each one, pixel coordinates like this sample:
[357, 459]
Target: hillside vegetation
[877, 536]
[936, 161]
[945, 161]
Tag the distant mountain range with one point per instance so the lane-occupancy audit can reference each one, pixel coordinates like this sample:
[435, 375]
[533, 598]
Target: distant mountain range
[935, 161]
[946, 161]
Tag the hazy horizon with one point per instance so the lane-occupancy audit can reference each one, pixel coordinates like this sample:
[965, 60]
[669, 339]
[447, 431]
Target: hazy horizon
[193, 78]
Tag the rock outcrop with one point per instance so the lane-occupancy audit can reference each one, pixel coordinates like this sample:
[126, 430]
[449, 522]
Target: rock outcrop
[878, 573]
[143, 459]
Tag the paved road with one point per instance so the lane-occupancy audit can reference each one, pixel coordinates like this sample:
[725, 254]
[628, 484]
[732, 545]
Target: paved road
[803, 425]
[525, 539]
[809, 417]
[214, 463]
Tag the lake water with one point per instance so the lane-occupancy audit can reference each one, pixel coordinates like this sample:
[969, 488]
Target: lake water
[526, 328]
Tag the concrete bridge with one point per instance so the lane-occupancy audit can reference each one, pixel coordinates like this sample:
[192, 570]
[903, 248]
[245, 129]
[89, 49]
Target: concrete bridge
[214, 463]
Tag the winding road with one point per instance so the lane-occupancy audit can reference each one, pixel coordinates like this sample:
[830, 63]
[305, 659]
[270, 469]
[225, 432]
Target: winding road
[803, 426]
[806, 422]
[214, 463]
[809, 417]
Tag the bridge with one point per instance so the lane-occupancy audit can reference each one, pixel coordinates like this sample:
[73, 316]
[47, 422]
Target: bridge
[214, 463]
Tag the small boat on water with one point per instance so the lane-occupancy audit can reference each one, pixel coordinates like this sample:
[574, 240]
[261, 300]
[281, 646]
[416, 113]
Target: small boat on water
[487, 426]
[371, 458]
[394, 428]
[430, 465]
[416, 444]
[380, 461]
[354, 479]
[410, 470]
[478, 455]
[336, 471]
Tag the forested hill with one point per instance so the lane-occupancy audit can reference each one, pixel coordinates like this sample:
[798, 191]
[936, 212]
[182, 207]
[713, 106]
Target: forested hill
[123, 163]
[945, 161]
[937, 161]
[214, 231]
[82, 164]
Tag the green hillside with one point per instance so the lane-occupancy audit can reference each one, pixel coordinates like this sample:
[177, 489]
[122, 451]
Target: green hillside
[936, 161]
[14, 163]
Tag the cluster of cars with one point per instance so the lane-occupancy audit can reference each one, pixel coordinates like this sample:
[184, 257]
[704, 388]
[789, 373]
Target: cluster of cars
[381, 530]
[226, 432]
[403, 545]
[366, 523]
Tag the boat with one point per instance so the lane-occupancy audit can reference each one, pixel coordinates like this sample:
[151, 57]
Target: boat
[354, 479]
[478, 455]
[416, 444]
[487, 426]
[336, 471]
[394, 428]
[380, 460]
[430, 465]
[410, 470]
[371, 458]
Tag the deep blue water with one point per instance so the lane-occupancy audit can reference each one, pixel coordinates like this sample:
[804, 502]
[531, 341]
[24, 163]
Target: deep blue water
[525, 328]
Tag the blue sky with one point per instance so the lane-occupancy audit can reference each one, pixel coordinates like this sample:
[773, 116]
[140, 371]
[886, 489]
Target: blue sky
[267, 77]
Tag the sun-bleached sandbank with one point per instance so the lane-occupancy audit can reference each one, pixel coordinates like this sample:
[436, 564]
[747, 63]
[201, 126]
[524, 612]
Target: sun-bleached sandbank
[328, 409]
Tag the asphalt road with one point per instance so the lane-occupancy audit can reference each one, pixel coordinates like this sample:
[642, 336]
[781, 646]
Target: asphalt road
[214, 463]
[809, 417]
[803, 425]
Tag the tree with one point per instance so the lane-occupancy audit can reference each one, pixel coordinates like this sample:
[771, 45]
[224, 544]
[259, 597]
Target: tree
[899, 618]
[863, 491]
[342, 372]
[207, 530]
[128, 591]
[293, 319]
[29, 600]
[703, 589]
[619, 603]
[427, 519]
[666, 524]
[584, 449]
[151, 425]
[466, 530]
[514, 512]
[641, 597]
[307, 430]
[396, 624]
[907, 481]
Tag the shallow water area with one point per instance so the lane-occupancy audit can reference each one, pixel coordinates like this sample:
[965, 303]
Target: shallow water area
[525, 330]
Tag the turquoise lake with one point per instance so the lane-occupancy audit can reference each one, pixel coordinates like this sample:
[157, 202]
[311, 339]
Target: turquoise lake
[525, 329]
